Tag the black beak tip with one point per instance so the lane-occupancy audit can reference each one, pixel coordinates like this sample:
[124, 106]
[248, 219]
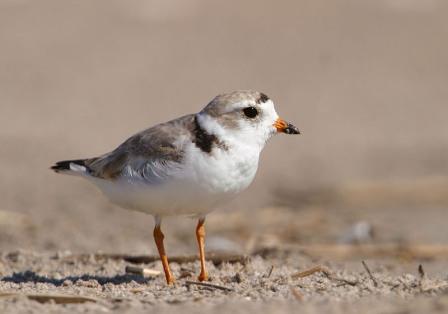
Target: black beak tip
[291, 129]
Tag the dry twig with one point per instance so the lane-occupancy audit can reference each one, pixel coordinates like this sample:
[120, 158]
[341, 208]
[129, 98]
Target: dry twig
[271, 269]
[309, 272]
[207, 285]
[427, 285]
[375, 283]
[297, 294]
[351, 282]
[146, 272]
[328, 273]
[421, 272]
[422, 275]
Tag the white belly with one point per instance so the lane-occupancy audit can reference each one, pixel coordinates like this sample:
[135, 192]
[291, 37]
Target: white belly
[205, 182]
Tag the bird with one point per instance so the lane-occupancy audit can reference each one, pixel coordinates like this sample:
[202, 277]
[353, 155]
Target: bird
[188, 166]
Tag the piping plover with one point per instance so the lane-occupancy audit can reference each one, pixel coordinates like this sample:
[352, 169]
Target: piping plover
[187, 166]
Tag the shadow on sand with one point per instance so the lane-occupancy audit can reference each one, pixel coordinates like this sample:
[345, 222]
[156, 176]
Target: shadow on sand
[30, 276]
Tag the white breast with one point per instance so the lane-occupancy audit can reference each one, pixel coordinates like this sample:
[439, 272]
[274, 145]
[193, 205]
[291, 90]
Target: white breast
[224, 171]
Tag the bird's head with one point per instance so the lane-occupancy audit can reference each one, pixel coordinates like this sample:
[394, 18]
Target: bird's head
[247, 116]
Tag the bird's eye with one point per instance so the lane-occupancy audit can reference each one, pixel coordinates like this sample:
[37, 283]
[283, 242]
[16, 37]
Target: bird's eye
[250, 112]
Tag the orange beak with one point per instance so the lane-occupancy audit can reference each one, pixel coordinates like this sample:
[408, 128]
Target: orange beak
[285, 127]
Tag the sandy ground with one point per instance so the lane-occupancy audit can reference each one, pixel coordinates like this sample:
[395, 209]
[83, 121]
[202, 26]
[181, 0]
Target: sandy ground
[264, 281]
[365, 81]
[263, 284]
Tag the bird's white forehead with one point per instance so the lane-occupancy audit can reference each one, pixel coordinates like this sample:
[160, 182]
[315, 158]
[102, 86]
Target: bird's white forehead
[268, 107]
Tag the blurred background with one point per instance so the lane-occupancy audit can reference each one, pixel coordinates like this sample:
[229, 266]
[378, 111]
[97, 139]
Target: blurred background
[365, 81]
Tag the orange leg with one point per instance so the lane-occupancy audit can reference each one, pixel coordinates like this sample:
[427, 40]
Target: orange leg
[200, 235]
[158, 237]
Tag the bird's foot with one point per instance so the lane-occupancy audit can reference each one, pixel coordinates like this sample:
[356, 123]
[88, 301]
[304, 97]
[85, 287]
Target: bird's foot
[203, 276]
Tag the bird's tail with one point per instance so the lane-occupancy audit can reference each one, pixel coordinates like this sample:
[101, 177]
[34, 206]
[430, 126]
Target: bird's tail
[73, 167]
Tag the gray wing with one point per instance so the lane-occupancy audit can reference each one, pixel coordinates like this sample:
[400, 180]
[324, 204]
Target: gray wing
[152, 154]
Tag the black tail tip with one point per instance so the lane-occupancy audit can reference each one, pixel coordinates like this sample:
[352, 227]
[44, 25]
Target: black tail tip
[65, 165]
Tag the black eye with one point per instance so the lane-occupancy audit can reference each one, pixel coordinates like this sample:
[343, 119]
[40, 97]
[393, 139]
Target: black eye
[250, 112]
